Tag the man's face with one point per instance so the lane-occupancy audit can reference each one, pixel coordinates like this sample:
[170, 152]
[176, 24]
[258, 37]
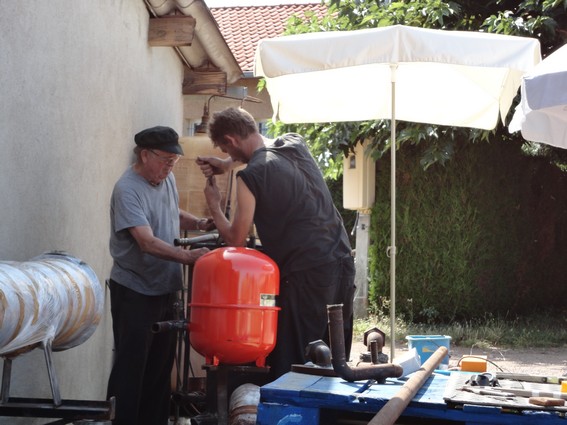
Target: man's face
[235, 152]
[160, 164]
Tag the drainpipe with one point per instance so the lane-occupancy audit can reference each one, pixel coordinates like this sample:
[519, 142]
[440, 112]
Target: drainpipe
[337, 339]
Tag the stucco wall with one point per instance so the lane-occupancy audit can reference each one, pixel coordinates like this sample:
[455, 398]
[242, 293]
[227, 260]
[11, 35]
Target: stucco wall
[78, 80]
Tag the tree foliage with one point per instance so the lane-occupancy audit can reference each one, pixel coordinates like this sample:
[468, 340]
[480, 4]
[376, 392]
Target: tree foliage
[476, 220]
[545, 20]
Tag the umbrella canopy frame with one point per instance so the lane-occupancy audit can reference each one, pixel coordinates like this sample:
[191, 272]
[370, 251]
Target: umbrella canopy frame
[306, 74]
[541, 115]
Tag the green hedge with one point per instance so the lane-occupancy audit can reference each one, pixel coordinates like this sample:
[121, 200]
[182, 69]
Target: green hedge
[484, 234]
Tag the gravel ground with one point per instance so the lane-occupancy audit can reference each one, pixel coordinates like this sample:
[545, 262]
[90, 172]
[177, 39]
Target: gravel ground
[535, 361]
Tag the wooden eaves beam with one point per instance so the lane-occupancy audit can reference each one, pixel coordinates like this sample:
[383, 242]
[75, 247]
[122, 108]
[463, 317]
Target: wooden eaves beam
[171, 31]
[178, 31]
[204, 81]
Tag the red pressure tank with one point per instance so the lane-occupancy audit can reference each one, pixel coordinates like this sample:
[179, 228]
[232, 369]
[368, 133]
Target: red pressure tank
[233, 313]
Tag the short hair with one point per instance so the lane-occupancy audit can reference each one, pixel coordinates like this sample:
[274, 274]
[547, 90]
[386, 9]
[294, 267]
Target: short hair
[231, 121]
[138, 152]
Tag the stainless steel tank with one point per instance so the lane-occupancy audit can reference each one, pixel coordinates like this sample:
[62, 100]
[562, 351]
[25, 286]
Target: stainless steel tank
[54, 298]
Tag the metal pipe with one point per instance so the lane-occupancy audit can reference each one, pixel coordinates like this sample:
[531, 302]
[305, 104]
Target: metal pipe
[243, 405]
[339, 361]
[208, 237]
[170, 325]
[319, 353]
[396, 405]
[375, 337]
[374, 350]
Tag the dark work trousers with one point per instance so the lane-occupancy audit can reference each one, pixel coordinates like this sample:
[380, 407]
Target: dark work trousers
[141, 374]
[304, 296]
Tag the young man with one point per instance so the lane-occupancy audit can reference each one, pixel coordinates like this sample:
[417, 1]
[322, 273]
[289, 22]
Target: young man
[283, 193]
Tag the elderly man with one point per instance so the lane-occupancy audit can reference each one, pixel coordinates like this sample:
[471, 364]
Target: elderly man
[146, 276]
[283, 193]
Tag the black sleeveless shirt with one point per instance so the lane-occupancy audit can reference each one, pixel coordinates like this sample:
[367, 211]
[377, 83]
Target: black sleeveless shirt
[297, 222]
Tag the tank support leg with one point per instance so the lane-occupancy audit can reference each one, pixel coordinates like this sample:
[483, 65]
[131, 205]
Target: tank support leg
[6, 377]
[46, 346]
[222, 394]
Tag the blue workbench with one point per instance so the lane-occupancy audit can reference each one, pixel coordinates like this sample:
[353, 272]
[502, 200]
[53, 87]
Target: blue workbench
[303, 399]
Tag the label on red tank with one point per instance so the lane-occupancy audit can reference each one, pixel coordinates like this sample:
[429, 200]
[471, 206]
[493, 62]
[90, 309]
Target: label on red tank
[267, 300]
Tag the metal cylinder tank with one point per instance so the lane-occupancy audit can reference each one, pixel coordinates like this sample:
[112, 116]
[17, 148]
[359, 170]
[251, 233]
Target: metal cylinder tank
[233, 313]
[243, 405]
[54, 298]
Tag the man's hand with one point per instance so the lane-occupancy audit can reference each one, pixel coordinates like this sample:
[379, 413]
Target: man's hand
[207, 224]
[192, 255]
[211, 165]
[212, 193]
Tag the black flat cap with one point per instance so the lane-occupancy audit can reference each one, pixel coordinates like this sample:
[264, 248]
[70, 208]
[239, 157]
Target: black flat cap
[159, 137]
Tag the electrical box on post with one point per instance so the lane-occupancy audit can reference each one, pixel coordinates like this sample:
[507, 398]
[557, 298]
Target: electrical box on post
[359, 173]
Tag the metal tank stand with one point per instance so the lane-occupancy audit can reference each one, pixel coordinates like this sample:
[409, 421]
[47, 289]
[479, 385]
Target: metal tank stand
[67, 410]
[53, 382]
[7, 375]
[222, 379]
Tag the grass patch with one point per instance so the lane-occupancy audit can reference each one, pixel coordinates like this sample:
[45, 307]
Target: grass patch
[529, 332]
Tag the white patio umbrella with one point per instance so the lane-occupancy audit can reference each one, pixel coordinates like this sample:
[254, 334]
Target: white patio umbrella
[541, 115]
[452, 78]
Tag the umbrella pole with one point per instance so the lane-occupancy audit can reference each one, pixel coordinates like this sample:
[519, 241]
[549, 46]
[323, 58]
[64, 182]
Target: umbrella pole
[393, 218]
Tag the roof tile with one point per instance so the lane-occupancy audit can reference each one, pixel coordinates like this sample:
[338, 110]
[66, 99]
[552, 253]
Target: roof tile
[243, 26]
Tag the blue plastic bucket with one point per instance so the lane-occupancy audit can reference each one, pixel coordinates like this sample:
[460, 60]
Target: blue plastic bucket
[426, 345]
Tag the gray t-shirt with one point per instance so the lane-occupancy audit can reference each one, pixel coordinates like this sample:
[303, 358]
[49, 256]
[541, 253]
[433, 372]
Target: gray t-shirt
[135, 202]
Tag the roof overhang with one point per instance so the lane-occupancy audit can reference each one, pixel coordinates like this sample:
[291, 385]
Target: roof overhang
[208, 48]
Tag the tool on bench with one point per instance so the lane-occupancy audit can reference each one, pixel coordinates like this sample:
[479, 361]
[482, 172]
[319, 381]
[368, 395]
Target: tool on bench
[546, 401]
[485, 379]
[490, 392]
[539, 398]
[531, 393]
[530, 378]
